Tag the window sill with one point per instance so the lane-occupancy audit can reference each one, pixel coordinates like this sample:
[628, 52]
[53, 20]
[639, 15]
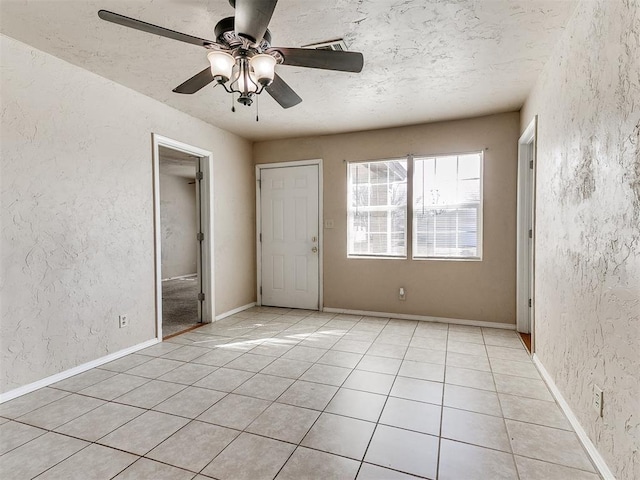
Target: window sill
[449, 259]
[375, 257]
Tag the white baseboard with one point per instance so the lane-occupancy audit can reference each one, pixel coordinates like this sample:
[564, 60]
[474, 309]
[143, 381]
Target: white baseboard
[235, 310]
[189, 275]
[591, 449]
[423, 318]
[17, 392]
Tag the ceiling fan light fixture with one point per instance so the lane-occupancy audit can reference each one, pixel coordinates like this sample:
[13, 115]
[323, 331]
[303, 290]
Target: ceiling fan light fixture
[221, 65]
[263, 67]
[243, 81]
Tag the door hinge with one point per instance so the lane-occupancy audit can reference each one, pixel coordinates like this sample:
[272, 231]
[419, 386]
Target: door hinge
[260, 289]
[530, 303]
[199, 175]
[200, 236]
[201, 297]
[259, 183]
[531, 164]
[260, 237]
[530, 233]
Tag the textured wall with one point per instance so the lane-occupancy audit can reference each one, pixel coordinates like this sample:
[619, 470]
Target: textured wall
[588, 223]
[178, 225]
[455, 289]
[77, 214]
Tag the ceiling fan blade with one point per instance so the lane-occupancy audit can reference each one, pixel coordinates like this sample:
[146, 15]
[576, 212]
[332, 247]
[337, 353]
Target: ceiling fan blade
[325, 59]
[253, 17]
[195, 83]
[283, 93]
[150, 28]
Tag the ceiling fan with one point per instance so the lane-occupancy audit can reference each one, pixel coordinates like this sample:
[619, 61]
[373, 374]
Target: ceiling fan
[242, 59]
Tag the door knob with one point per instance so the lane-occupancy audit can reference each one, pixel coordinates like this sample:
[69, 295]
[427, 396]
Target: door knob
[314, 249]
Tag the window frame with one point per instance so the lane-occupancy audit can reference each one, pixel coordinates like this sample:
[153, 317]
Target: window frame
[480, 208]
[349, 211]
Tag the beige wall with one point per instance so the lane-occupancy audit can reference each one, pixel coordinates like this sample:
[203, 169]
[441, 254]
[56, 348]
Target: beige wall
[77, 214]
[178, 225]
[455, 289]
[588, 224]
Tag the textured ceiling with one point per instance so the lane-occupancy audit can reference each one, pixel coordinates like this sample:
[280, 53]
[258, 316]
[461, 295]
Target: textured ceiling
[425, 60]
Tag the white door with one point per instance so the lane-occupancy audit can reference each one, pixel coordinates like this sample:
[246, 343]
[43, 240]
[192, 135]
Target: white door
[525, 300]
[289, 237]
[530, 245]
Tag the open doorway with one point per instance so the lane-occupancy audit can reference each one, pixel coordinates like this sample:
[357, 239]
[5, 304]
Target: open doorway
[183, 236]
[180, 249]
[525, 302]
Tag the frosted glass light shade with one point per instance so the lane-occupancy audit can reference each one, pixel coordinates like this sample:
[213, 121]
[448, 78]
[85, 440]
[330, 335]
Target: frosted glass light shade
[263, 66]
[241, 71]
[221, 64]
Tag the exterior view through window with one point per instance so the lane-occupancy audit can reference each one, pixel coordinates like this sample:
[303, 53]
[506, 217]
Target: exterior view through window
[446, 207]
[377, 208]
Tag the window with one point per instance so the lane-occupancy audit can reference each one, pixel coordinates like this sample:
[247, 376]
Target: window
[447, 206]
[377, 208]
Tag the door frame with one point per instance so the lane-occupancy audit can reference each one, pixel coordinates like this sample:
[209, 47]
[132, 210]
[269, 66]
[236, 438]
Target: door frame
[525, 280]
[298, 163]
[206, 217]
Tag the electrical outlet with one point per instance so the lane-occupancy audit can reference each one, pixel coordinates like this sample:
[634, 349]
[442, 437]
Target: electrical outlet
[402, 294]
[123, 321]
[598, 397]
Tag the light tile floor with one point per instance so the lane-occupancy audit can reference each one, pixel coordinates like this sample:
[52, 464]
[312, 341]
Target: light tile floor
[290, 394]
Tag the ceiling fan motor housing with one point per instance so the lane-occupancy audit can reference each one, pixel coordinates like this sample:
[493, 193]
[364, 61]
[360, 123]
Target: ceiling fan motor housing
[225, 34]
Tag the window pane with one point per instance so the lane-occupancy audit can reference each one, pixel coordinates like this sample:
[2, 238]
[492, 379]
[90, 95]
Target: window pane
[379, 172]
[377, 208]
[379, 222]
[447, 206]
[379, 195]
[469, 166]
[469, 191]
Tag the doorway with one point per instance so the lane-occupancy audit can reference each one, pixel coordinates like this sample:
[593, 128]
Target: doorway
[289, 243]
[183, 236]
[525, 301]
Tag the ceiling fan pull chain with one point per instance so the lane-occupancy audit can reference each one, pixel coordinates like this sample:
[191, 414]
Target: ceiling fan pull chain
[257, 108]
[233, 105]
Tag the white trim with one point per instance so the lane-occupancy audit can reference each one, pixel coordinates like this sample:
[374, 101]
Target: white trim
[180, 277]
[297, 163]
[591, 449]
[207, 209]
[423, 318]
[17, 392]
[258, 232]
[525, 247]
[235, 310]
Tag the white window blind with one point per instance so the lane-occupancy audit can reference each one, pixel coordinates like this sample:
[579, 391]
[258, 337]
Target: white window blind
[447, 206]
[377, 208]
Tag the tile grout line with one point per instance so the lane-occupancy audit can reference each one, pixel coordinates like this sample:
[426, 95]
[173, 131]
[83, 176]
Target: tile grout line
[321, 412]
[504, 421]
[336, 392]
[444, 384]
[377, 423]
